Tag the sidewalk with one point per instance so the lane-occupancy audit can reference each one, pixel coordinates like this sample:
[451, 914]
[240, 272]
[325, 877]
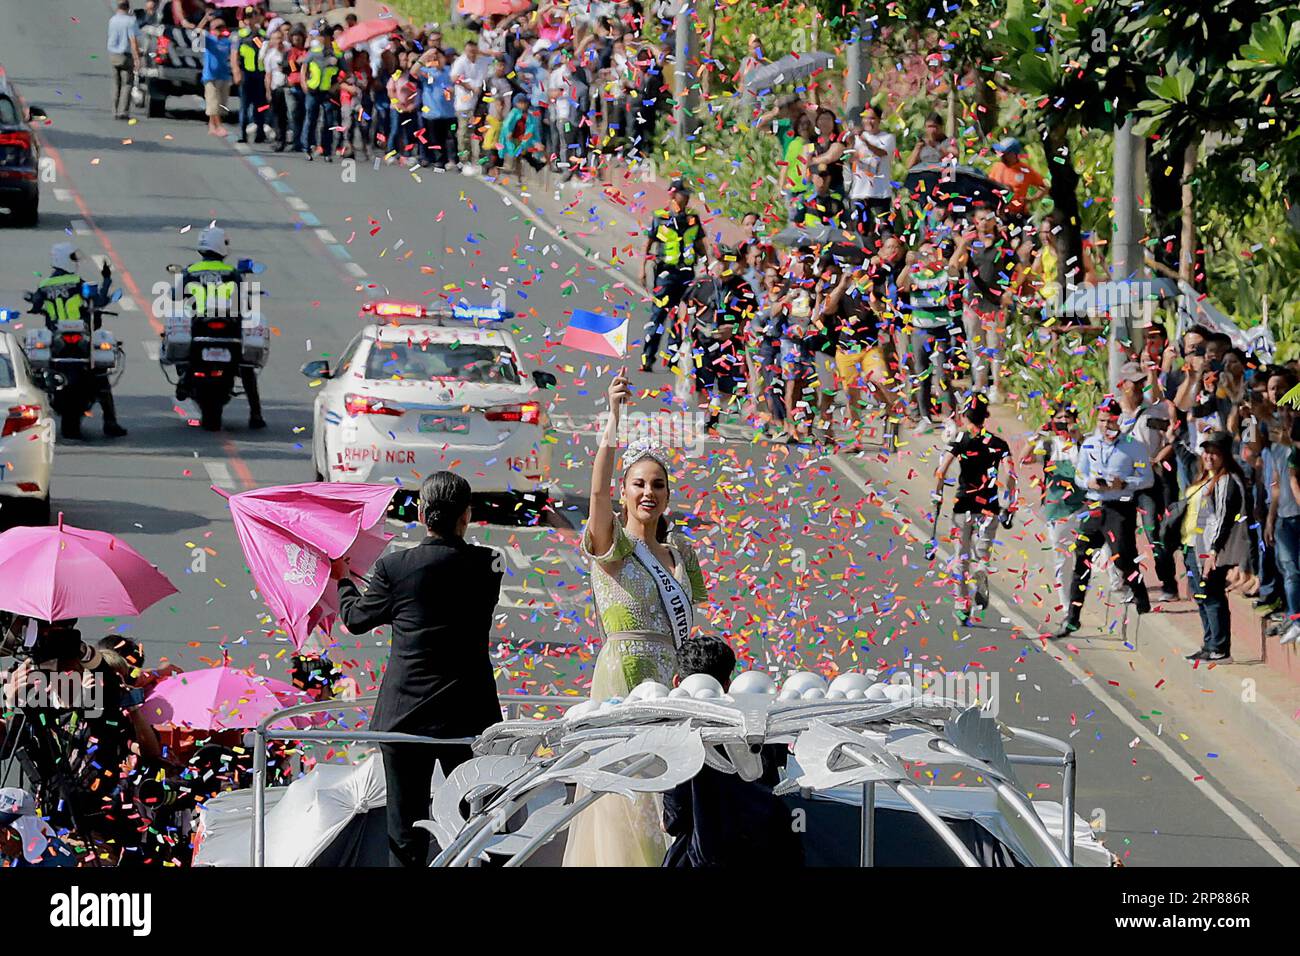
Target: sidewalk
[1258, 695]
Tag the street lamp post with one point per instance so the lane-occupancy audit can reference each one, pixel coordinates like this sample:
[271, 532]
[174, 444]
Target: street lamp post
[1129, 264]
[686, 52]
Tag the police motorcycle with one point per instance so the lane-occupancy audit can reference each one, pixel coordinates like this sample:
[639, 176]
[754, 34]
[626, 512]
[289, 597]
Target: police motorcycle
[214, 333]
[74, 359]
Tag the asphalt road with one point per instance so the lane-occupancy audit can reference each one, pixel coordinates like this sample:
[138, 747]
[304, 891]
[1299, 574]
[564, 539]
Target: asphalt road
[806, 568]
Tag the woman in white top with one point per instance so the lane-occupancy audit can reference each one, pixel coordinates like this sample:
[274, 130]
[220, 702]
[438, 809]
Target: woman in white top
[273, 58]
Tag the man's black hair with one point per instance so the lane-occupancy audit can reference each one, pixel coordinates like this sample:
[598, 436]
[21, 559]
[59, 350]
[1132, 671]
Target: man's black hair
[706, 654]
[444, 496]
[934, 118]
[977, 410]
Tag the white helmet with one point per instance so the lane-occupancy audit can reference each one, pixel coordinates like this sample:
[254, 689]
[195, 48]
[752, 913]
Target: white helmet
[65, 256]
[213, 239]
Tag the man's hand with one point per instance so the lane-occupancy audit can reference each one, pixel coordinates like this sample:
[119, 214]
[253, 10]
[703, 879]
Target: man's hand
[1270, 530]
[339, 569]
[1208, 563]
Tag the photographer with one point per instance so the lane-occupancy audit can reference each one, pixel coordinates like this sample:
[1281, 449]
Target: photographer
[81, 724]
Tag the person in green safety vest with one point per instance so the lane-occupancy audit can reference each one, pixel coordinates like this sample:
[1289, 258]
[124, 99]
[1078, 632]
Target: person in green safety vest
[248, 74]
[320, 73]
[62, 295]
[213, 276]
[674, 243]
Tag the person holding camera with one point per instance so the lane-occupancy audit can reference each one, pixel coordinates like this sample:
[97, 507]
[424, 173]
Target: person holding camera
[1113, 469]
[1063, 499]
[438, 598]
[1211, 521]
[1148, 425]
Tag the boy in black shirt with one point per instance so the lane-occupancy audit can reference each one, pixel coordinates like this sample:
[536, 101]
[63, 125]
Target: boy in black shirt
[980, 455]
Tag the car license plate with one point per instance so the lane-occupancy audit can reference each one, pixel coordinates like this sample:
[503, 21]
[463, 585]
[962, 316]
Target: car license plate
[216, 355]
[444, 423]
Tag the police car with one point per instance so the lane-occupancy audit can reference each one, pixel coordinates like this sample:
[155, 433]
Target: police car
[26, 436]
[420, 390]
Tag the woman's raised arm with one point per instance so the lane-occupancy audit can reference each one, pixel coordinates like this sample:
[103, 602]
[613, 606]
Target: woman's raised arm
[600, 521]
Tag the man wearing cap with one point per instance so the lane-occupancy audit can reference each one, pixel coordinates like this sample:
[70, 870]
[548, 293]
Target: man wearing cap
[319, 77]
[247, 71]
[1113, 468]
[674, 243]
[1148, 425]
[25, 840]
[1013, 172]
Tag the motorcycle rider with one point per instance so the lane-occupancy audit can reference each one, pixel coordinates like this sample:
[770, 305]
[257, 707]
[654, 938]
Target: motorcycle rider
[212, 274]
[60, 295]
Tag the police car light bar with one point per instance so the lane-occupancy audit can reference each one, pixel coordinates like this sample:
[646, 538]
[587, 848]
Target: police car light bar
[481, 313]
[386, 309]
[10, 315]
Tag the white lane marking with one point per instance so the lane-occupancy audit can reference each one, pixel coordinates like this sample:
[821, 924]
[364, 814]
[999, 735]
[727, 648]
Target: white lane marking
[516, 556]
[242, 147]
[127, 304]
[267, 173]
[1171, 756]
[80, 228]
[325, 236]
[152, 349]
[539, 220]
[355, 269]
[219, 474]
[62, 195]
[296, 202]
[99, 260]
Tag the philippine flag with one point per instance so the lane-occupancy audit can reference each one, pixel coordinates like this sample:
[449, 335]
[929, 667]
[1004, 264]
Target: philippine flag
[594, 332]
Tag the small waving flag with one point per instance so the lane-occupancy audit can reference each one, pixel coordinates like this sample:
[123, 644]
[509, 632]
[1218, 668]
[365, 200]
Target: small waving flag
[594, 332]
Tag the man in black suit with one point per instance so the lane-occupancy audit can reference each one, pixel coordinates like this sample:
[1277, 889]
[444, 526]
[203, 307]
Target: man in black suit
[438, 597]
[718, 819]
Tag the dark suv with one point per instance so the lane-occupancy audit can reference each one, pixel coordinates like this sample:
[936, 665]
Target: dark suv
[172, 56]
[20, 156]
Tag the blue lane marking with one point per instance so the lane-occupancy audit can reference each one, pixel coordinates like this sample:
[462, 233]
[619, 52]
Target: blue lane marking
[256, 160]
[339, 252]
[281, 187]
[308, 218]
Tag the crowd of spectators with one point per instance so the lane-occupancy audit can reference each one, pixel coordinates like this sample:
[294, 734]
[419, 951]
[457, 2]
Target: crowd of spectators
[557, 85]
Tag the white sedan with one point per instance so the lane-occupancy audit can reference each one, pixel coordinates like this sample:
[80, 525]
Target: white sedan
[419, 391]
[26, 439]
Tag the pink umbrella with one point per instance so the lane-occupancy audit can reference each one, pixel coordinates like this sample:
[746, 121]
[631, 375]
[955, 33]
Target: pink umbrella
[488, 8]
[366, 31]
[218, 698]
[291, 533]
[61, 572]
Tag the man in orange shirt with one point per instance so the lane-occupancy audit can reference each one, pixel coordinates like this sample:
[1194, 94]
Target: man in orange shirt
[1019, 177]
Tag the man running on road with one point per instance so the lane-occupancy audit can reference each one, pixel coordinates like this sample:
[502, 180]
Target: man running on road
[979, 456]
